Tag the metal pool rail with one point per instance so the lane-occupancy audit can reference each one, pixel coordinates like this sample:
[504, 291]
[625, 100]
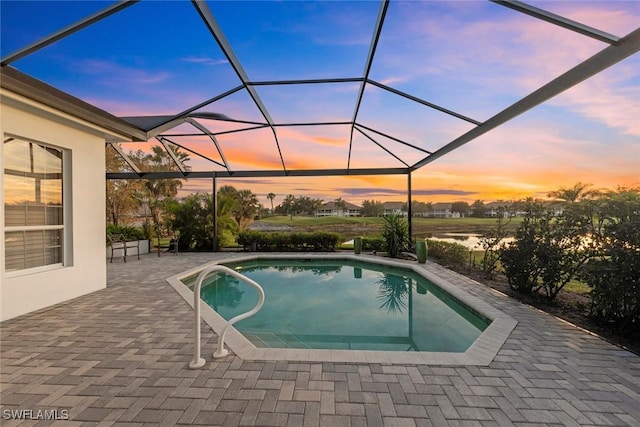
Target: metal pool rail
[198, 361]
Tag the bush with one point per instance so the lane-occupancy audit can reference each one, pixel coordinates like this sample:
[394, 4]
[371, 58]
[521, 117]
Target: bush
[547, 252]
[285, 242]
[395, 235]
[448, 254]
[192, 220]
[615, 294]
[129, 233]
[372, 244]
[614, 276]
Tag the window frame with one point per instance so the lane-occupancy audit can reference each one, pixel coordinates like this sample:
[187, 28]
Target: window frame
[65, 252]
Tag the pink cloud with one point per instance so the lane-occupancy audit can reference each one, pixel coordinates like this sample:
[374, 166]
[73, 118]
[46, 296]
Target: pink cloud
[607, 99]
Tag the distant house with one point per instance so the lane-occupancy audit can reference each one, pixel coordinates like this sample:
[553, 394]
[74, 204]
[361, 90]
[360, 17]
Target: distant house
[442, 210]
[555, 207]
[394, 208]
[493, 209]
[332, 209]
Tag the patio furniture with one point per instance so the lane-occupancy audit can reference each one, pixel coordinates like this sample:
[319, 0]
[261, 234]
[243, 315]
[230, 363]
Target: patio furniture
[172, 246]
[119, 242]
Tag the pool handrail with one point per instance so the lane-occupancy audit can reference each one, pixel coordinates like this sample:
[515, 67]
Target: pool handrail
[198, 361]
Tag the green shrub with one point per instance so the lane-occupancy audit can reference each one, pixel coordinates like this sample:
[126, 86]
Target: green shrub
[395, 235]
[548, 250]
[614, 276]
[448, 254]
[372, 244]
[615, 294]
[285, 242]
[129, 233]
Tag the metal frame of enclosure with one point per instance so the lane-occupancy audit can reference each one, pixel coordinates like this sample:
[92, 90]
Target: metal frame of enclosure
[159, 127]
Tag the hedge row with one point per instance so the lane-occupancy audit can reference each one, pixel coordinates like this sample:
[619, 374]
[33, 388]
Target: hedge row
[448, 254]
[286, 242]
[373, 244]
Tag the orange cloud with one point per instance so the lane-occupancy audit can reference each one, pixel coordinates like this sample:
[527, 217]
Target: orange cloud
[329, 141]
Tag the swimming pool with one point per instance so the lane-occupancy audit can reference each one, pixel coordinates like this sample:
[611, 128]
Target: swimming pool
[330, 307]
[342, 304]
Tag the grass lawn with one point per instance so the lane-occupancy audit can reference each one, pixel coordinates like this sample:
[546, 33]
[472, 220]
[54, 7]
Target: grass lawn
[304, 221]
[372, 226]
[577, 287]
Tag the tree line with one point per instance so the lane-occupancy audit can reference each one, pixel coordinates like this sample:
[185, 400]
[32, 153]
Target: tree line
[191, 218]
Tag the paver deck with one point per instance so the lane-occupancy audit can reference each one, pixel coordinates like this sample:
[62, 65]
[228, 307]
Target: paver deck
[120, 355]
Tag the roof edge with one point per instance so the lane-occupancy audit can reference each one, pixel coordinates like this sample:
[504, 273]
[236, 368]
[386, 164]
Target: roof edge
[15, 81]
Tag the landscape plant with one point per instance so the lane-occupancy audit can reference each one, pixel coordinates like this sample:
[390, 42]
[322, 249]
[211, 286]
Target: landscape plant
[373, 244]
[191, 219]
[396, 235]
[125, 197]
[448, 254]
[548, 250]
[614, 274]
[243, 204]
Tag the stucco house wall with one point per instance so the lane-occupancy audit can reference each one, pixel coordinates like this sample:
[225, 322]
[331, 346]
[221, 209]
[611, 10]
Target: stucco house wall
[84, 269]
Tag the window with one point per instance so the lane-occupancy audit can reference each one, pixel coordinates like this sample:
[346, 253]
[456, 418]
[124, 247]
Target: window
[33, 204]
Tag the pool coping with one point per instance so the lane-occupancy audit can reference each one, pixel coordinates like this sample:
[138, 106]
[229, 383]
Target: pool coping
[480, 353]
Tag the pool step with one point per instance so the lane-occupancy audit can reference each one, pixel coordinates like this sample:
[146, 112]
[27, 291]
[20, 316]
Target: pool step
[274, 340]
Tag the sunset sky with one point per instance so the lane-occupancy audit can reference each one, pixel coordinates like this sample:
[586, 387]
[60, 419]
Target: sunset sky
[472, 57]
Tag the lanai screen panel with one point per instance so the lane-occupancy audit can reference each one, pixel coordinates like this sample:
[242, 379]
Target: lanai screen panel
[294, 40]
[28, 21]
[615, 17]
[408, 120]
[317, 147]
[472, 57]
[151, 58]
[400, 79]
[237, 106]
[310, 103]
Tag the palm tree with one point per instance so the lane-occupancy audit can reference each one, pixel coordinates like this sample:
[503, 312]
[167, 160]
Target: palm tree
[227, 225]
[288, 205]
[247, 209]
[271, 196]
[573, 194]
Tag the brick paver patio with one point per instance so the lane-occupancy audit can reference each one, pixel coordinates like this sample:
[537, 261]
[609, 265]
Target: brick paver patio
[120, 356]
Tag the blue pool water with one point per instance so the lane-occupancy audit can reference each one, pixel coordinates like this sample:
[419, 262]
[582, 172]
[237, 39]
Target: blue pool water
[342, 304]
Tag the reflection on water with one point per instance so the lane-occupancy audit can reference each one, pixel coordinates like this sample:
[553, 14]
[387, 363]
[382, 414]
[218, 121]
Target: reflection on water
[221, 290]
[393, 291]
[470, 241]
[317, 271]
